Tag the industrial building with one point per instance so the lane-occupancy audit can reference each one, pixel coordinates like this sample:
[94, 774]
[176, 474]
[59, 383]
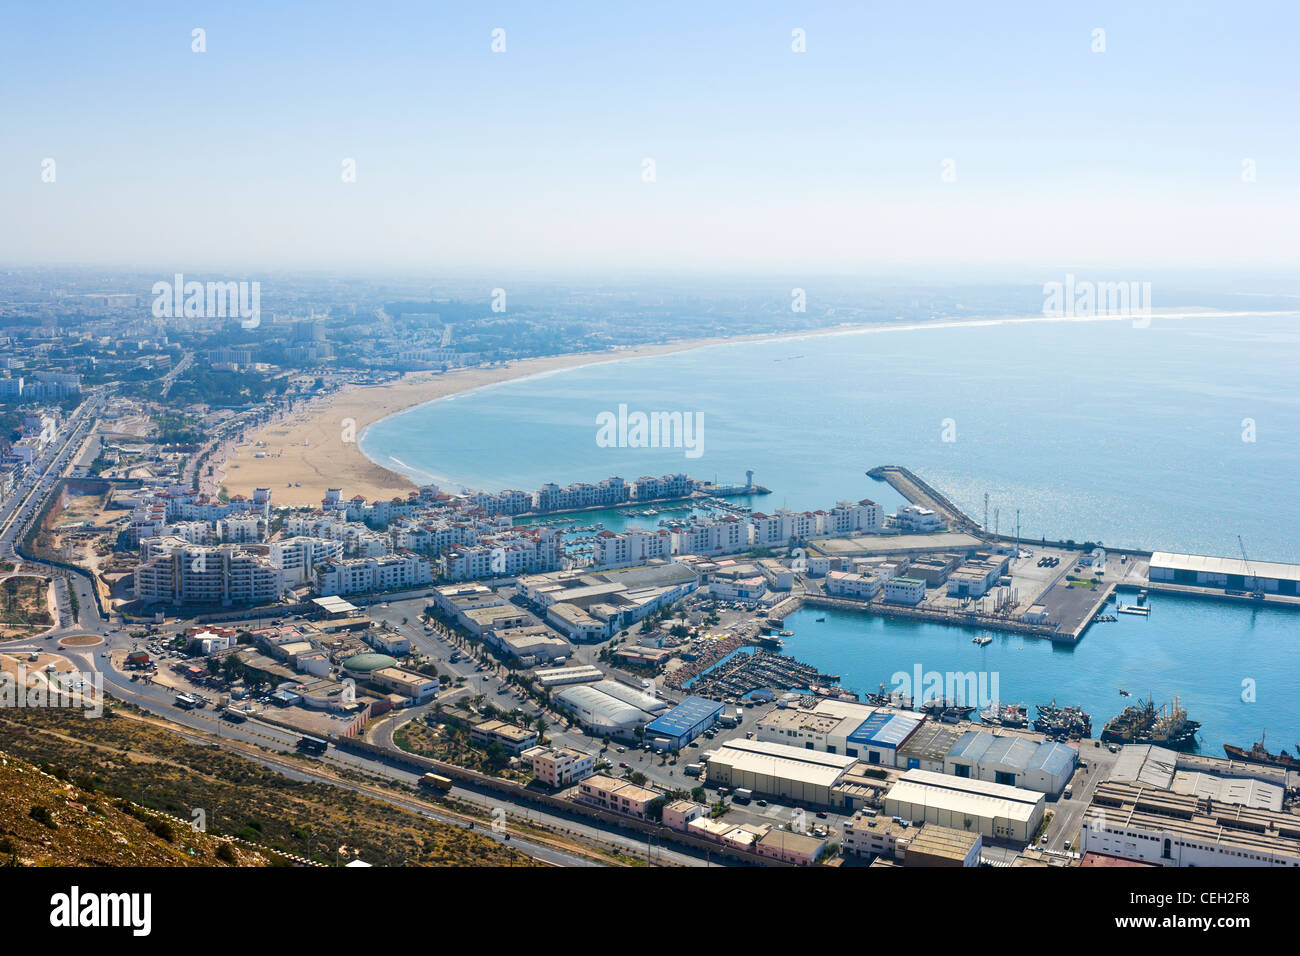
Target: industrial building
[856, 730]
[679, 726]
[603, 714]
[1152, 825]
[994, 810]
[1153, 766]
[799, 849]
[776, 770]
[928, 746]
[868, 833]
[877, 740]
[933, 845]
[1229, 574]
[1011, 760]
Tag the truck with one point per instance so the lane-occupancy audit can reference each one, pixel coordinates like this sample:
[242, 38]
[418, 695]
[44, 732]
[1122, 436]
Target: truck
[743, 795]
[312, 745]
[435, 781]
[694, 769]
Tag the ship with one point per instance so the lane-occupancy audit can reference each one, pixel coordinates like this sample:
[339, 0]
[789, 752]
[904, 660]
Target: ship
[1063, 722]
[1142, 723]
[1259, 754]
[1011, 715]
[938, 706]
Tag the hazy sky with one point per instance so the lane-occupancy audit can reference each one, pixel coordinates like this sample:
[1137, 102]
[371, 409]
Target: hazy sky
[765, 159]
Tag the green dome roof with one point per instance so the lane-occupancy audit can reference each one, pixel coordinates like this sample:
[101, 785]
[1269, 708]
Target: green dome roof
[369, 662]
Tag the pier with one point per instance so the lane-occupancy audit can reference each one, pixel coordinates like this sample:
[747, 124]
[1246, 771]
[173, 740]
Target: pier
[918, 492]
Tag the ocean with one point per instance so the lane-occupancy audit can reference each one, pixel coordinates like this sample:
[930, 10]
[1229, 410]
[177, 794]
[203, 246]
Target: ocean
[1180, 435]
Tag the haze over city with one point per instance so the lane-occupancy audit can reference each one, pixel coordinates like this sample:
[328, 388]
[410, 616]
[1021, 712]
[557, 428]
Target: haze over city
[1012, 136]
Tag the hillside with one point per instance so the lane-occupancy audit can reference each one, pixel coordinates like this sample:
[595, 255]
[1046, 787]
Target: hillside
[45, 821]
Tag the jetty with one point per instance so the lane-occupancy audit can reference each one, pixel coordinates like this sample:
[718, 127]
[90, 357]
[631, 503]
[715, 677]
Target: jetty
[908, 484]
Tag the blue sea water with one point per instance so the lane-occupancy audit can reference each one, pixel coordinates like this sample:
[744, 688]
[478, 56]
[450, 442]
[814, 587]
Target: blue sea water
[1103, 431]
[1233, 668]
[1131, 436]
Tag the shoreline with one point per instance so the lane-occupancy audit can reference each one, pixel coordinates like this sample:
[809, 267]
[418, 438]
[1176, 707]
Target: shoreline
[319, 446]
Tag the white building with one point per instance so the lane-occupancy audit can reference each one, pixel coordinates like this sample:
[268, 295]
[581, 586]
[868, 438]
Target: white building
[845, 584]
[905, 591]
[398, 571]
[560, 766]
[1170, 829]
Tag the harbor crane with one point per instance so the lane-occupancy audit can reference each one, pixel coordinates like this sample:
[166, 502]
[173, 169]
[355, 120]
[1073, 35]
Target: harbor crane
[1255, 590]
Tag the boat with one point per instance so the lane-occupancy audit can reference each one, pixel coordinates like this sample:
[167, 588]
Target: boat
[1134, 609]
[982, 640]
[938, 706]
[1142, 723]
[1259, 754]
[821, 620]
[1010, 715]
[1123, 692]
[1073, 723]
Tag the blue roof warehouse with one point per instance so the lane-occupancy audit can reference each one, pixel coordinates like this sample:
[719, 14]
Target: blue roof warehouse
[683, 723]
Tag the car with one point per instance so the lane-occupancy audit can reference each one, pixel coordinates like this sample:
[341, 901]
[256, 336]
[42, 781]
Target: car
[821, 814]
[762, 803]
[625, 765]
[1043, 840]
[622, 750]
[1067, 846]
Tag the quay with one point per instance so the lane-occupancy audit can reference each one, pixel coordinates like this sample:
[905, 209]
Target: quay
[1068, 596]
[918, 492]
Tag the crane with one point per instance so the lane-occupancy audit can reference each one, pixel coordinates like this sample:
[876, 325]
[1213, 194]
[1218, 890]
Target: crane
[1256, 591]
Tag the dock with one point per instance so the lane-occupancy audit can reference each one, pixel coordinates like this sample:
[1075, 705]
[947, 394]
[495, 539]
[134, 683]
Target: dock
[918, 492]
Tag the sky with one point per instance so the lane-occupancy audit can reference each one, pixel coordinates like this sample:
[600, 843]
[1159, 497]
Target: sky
[938, 135]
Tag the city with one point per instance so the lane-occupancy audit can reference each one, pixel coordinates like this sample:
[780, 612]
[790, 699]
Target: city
[521, 455]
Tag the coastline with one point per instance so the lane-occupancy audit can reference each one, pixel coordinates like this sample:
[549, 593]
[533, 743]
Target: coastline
[309, 447]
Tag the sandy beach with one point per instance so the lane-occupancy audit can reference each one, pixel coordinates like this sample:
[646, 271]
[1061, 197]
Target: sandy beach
[312, 445]
[317, 447]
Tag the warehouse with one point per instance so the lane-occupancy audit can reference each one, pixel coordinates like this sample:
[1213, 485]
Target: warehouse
[1155, 826]
[877, 740]
[1011, 760]
[994, 811]
[602, 714]
[934, 845]
[1230, 574]
[638, 699]
[775, 770]
[928, 747]
[684, 722]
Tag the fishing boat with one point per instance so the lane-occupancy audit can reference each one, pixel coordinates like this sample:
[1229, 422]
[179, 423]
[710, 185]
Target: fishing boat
[1073, 723]
[938, 706]
[1142, 723]
[1259, 754]
[1010, 715]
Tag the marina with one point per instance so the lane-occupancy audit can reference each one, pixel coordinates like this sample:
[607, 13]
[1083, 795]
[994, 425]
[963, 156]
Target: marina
[744, 673]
